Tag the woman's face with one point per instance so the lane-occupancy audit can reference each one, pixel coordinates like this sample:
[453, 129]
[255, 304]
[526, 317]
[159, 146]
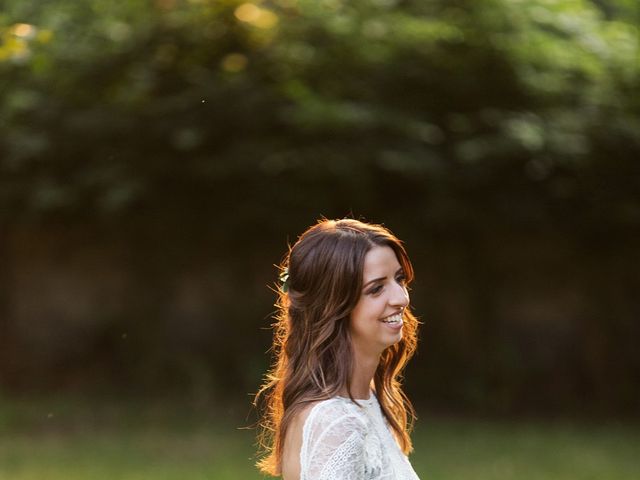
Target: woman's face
[376, 320]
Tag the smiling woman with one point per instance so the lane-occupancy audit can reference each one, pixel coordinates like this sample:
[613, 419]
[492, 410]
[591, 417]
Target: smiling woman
[333, 407]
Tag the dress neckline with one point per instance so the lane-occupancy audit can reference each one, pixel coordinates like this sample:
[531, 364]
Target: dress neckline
[365, 401]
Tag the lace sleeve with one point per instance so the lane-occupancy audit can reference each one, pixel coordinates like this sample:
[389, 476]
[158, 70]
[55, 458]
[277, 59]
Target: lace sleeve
[333, 443]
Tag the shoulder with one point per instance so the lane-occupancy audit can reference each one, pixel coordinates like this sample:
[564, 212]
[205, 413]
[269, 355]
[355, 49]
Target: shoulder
[334, 417]
[318, 423]
[333, 440]
[333, 410]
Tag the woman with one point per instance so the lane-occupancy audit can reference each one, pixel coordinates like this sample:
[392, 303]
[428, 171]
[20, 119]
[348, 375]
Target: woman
[334, 407]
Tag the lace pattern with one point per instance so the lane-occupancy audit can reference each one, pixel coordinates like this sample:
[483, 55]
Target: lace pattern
[343, 441]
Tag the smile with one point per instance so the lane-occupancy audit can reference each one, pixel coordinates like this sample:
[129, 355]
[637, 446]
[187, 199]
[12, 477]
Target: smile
[393, 319]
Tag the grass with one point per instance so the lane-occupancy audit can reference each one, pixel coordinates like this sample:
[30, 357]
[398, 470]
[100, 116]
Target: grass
[54, 441]
[457, 450]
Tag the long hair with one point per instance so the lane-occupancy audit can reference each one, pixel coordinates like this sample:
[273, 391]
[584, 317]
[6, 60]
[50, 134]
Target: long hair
[311, 340]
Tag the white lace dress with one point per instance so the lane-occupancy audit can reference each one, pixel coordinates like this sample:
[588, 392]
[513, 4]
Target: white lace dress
[342, 441]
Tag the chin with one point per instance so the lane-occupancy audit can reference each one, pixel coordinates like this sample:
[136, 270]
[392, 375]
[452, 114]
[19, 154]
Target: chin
[394, 341]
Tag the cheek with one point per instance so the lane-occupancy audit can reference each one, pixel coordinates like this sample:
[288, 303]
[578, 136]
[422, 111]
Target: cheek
[370, 309]
[361, 315]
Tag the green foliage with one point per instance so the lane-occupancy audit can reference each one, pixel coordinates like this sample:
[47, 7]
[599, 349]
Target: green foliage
[191, 126]
[108, 107]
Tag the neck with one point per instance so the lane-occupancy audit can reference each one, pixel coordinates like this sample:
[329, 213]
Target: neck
[364, 368]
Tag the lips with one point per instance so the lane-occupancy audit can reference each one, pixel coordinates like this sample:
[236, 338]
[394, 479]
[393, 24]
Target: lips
[394, 319]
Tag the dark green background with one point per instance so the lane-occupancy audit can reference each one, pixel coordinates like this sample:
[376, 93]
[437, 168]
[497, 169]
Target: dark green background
[157, 156]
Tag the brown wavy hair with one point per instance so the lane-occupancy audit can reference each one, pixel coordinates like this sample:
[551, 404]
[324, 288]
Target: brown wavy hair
[311, 342]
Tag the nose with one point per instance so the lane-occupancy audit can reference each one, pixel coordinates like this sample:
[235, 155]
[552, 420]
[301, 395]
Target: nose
[399, 296]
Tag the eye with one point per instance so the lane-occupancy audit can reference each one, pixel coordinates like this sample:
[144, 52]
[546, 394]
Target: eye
[401, 279]
[375, 290]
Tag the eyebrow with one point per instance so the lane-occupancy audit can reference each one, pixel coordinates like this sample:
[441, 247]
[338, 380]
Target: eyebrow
[379, 279]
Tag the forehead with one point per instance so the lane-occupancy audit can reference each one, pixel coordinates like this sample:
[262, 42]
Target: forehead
[380, 261]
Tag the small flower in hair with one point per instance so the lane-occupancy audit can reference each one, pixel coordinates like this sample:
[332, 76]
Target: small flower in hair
[284, 279]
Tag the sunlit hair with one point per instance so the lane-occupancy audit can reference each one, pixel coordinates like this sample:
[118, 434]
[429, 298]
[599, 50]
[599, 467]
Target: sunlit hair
[311, 344]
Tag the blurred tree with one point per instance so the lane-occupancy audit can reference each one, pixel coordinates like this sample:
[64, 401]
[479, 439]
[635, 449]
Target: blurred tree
[106, 108]
[195, 124]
